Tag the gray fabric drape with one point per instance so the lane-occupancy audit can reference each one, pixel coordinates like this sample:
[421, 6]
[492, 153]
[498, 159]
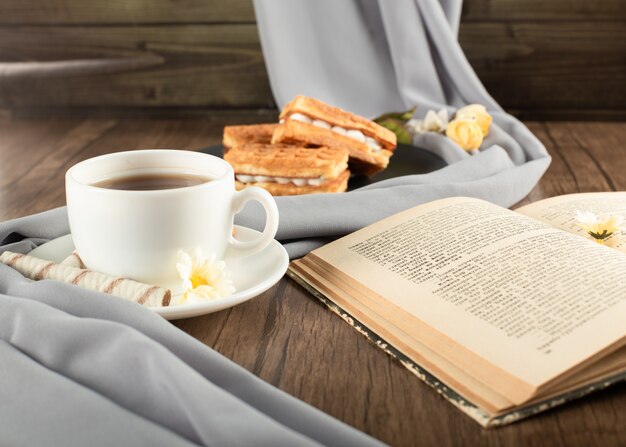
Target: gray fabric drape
[83, 368]
[376, 56]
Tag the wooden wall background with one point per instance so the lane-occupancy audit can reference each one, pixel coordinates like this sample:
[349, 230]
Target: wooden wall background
[539, 58]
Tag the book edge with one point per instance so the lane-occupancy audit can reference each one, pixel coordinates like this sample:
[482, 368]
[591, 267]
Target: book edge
[468, 408]
[458, 401]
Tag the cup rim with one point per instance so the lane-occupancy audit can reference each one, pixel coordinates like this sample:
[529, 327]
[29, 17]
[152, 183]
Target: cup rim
[71, 176]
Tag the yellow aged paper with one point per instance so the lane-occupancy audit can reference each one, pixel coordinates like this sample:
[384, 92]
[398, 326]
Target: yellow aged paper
[560, 211]
[528, 298]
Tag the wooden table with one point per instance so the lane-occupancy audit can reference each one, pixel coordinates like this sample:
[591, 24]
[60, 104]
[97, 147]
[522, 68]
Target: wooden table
[289, 339]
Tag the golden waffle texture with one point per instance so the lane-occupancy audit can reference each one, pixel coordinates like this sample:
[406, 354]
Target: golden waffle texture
[288, 161]
[316, 109]
[249, 134]
[361, 156]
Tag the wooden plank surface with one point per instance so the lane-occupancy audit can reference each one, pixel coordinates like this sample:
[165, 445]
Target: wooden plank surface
[182, 66]
[285, 336]
[550, 65]
[537, 58]
[542, 10]
[59, 12]
[132, 12]
[575, 66]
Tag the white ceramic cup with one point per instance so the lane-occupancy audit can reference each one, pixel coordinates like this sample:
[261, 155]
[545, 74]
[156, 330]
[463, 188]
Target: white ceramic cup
[137, 234]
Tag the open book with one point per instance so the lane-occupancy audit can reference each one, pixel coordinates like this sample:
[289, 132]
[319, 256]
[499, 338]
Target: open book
[506, 313]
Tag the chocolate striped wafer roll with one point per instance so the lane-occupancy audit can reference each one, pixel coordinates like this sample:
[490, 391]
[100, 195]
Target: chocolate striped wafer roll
[74, 260]
[38, 269]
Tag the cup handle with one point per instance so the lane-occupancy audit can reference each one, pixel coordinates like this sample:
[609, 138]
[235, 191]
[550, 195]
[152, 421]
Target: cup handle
[271, 219]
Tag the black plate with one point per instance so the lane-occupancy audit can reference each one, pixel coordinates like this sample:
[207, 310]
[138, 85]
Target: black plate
[406, 160]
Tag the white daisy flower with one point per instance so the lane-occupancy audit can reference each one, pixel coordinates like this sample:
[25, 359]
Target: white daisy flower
[432, 122]
[600, 228]
[203, 278]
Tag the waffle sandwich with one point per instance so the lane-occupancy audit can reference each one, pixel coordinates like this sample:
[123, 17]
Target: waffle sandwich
[247, 134]
[290, 170]
[310, 122]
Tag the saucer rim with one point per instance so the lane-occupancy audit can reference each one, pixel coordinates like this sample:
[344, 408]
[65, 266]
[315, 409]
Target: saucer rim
[197, 309]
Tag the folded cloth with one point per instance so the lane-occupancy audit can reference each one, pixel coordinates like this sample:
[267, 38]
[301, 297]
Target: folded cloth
[84, 368]
[307, 222]
[377, 56]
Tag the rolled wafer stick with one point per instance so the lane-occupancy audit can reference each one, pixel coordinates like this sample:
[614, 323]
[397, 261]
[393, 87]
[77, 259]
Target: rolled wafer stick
[74, 260]
[37, 269]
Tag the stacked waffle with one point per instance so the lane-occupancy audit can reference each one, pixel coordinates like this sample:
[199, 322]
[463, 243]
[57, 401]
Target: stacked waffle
[308, 151]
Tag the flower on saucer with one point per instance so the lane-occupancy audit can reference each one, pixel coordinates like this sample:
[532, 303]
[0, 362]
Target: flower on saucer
[432, 122]
[203, 278]
[600, 228]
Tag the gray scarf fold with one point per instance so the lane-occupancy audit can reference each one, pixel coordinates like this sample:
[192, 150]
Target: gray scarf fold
[376, 56]
[84, 368]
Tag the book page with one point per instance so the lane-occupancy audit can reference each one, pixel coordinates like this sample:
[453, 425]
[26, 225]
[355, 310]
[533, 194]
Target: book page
[560, 211]
[519, 294]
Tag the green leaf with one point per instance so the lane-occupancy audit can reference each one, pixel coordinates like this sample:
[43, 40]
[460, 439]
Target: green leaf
[402, 116]
[397, 126]
[395, 122]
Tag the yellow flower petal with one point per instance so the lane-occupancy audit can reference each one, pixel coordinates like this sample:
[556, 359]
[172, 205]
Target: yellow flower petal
[599, 228]
[466, 133]
[477, 112]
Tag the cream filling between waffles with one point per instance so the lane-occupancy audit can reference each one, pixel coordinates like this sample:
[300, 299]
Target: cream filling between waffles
[245, 178]
[351, 133]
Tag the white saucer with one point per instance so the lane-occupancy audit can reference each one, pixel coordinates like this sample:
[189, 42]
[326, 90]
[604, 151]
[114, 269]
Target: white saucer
[251, 275]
